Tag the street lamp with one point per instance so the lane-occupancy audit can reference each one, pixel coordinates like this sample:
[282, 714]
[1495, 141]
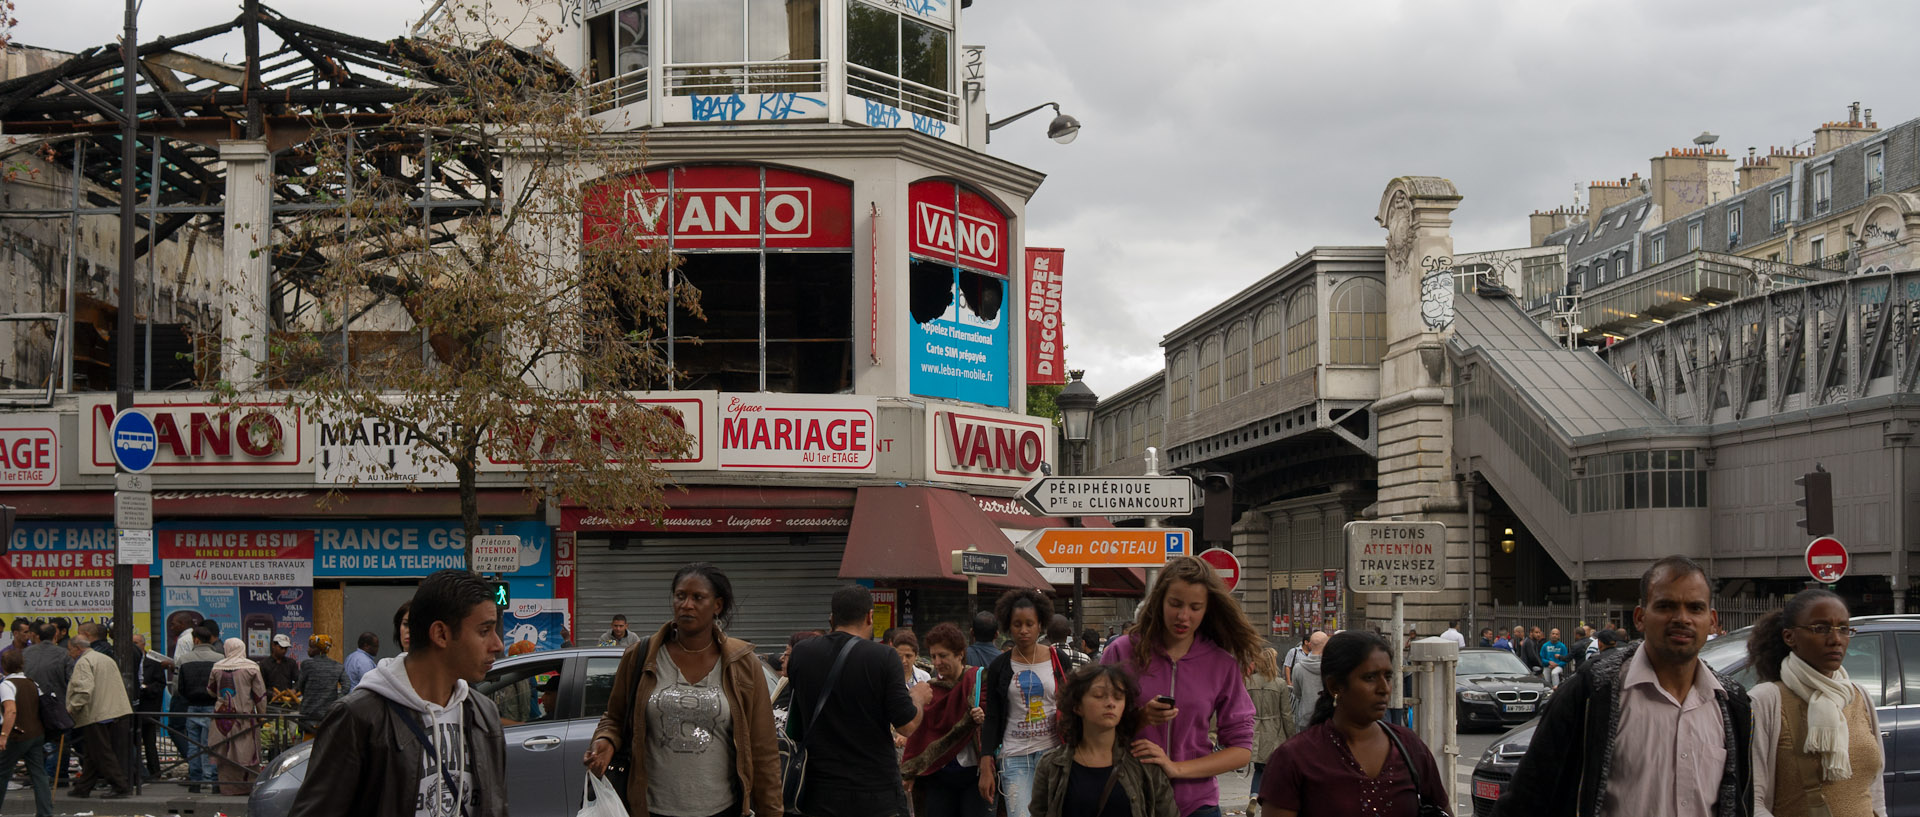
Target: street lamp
[1506, 541]
[1076, 403]
[1062, 129]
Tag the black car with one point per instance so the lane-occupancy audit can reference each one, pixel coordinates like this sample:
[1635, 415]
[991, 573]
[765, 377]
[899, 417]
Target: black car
[1884, 658]
[1494, 688]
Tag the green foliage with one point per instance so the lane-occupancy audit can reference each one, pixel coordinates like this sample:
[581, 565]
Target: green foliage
[1040, 401]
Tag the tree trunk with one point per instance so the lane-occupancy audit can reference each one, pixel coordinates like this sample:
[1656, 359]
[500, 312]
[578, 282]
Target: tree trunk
[469, 501]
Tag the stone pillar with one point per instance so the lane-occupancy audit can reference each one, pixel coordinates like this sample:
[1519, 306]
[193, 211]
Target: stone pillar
[1253, 543]
[1414, 412]
[249, 262]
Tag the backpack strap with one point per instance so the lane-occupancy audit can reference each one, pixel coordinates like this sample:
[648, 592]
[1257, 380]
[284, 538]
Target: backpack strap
[833, 677]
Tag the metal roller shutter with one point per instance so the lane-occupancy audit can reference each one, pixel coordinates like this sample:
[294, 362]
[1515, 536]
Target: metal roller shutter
[780, 586]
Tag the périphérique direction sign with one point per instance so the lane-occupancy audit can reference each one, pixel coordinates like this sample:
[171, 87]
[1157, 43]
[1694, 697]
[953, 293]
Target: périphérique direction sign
[1396, 557]
[1110, 496]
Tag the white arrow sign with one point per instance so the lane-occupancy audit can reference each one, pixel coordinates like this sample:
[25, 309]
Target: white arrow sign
[1110, 496]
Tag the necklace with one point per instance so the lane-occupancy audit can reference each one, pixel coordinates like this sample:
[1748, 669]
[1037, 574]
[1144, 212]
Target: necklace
[712, 644]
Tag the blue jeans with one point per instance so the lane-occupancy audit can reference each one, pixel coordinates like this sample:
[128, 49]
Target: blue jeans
[1016, 782]
[34, 752]
[1259, 770]
[199, 763]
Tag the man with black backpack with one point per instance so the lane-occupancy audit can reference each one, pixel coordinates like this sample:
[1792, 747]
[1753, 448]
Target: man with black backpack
[848, 697]
[196, 669]
[48, 668]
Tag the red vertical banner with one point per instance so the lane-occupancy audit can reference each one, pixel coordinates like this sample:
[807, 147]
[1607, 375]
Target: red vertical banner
[564, 541]
[1046, 347]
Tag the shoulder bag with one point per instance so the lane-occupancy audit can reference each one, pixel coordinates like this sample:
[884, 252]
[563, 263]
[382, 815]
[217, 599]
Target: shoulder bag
[1413, 770]
[795, 782]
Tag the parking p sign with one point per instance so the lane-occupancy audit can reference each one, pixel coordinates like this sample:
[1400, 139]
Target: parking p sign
[134, 442]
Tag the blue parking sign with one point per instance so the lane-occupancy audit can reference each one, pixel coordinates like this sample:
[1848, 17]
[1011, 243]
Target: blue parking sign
[133, 441]
[1176, 544]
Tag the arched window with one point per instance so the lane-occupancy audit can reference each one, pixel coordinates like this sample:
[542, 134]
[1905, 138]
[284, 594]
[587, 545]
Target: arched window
[1237, 352]
[1109, 449]
[1206, 379]
[1268, 330]
[1137, 437]
[1303, 335]
[1359, 329]
[1180, 385]
[1156, 420]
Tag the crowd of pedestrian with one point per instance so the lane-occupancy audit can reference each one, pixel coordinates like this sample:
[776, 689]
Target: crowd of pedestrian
[1009, 712]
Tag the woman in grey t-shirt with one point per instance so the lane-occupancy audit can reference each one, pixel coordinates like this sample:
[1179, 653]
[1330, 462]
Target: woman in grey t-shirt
[693, 708]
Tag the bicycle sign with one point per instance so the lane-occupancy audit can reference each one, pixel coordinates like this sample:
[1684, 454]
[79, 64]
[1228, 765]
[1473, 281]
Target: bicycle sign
[133, 439]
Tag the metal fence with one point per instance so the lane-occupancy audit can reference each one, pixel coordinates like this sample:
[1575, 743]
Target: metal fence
[1734, 613]
[277, 729]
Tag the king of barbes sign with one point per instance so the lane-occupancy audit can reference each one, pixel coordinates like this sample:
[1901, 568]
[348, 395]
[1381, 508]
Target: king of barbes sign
[1396, 557]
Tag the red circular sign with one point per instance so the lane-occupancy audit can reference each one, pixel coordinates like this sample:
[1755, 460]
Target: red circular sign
[1826, 560]
[1224, 563]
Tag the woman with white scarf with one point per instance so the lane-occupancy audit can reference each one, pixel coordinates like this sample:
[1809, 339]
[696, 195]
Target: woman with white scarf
[1816, 738]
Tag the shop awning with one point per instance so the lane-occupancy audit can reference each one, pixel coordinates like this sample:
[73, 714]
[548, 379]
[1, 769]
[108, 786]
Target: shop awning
[910, 532]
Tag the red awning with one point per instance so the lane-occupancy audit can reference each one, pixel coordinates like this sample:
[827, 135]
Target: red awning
[910, 533]
[271, 503]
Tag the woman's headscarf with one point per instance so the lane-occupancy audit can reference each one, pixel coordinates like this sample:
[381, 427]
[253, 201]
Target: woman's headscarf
[236, 657]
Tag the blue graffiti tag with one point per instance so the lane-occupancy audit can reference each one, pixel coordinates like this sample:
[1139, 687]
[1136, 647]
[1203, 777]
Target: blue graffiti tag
[882, 116]
[929, 125]
[921, 7]
[709, 108]
[782, 106]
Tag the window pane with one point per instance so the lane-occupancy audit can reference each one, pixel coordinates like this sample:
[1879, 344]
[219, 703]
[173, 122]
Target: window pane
[873, 38]
[720, 348]
[1910, 667]
[1676, 493]
[599, 688]
[709, 31]
[783, 30]
[1863, 665]
[1660, 489]
[525, 693]
[924, 55]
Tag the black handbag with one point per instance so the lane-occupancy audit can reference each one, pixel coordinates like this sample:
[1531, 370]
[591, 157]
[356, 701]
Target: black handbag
[620, 769]
[1413, 769]
[794, 783]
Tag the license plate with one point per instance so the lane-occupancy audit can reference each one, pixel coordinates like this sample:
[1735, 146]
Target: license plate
[1519, 707]
[1486, 790]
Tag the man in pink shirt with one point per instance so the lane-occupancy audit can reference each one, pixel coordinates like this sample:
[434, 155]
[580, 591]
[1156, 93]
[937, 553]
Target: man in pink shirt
[1646, 728]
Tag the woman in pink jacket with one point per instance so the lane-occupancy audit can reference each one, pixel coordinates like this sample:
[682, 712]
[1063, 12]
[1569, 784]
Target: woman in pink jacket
[1190, 645]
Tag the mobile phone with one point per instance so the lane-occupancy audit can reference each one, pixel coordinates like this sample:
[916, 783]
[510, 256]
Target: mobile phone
[1164, 699]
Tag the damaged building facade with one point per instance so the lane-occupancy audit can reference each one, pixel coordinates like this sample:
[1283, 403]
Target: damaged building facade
[822, 176]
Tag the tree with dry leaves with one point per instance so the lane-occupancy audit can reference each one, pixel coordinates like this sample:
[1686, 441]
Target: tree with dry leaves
[500, 339]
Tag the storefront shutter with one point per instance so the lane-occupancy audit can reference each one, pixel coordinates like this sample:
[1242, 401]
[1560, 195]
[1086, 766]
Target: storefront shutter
[781, 586]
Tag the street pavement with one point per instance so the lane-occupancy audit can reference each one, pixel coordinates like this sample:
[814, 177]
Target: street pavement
[159, 801]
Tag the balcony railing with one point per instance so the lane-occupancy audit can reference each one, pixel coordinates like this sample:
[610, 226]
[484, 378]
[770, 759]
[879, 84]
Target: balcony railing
[617, 92]
[1821, 206]
[768, 77]
[905, 94]
[1836, 262]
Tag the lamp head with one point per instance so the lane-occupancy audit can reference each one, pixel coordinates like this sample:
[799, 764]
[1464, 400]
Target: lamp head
[1076, 403]
[1063, 129]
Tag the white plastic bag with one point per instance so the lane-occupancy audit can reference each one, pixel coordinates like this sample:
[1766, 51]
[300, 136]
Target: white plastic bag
[599, 799]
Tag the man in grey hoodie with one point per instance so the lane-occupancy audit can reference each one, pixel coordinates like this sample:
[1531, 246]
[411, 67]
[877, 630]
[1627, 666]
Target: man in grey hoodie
[414, 739]
[1306, 681]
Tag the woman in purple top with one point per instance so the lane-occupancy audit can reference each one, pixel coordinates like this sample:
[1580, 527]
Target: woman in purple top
[1190, 645]
[1348, 761]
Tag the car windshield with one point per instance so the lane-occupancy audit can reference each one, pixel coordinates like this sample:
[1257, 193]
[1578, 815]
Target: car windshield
[1723, 652]
[1490, 663]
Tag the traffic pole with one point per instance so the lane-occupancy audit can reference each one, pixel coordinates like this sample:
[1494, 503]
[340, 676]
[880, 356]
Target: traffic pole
[124, 326]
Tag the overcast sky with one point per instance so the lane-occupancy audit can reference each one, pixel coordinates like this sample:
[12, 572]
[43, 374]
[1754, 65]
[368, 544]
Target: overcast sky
[1224, 137]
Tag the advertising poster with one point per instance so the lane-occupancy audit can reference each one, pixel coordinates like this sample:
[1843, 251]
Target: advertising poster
[66, 569]
[959, 335]
[1046, 344]
[541, 621]
[256, 583]
[884, 603]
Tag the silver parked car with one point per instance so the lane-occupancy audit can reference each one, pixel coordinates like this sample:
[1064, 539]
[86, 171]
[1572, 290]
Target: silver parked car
[549, 702]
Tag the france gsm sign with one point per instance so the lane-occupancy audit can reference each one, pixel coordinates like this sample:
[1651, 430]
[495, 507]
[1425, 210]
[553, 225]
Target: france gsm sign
[723, 207]
[958, 226]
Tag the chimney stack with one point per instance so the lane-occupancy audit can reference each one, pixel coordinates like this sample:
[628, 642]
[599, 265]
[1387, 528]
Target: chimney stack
[1835, 135]
[1757, 170]
[1602, 195]
[1544, 223]
[1687, 179]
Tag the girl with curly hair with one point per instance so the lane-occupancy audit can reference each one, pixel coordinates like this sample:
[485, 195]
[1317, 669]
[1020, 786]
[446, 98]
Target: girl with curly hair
[1190, 649]
[1018, 696]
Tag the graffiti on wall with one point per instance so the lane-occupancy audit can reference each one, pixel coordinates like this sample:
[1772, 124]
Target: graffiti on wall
[1436, 292]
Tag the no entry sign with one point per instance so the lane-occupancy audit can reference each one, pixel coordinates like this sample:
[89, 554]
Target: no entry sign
[1224, 563]
[1826, 560]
